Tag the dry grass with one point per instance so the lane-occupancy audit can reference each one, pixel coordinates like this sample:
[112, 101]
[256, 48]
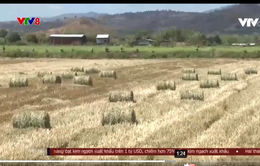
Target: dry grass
[226, 118]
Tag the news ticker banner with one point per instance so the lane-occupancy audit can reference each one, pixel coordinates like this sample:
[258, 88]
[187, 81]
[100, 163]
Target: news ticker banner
[152, 151]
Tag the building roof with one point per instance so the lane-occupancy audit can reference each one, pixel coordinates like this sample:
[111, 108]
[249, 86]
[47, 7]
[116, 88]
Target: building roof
[102, 36]
[67, 35]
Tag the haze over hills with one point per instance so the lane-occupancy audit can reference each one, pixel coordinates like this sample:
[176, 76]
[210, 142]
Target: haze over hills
[223, 20]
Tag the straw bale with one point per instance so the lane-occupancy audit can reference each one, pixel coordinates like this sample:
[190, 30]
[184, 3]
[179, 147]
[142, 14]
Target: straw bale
[18, 82]
[83, 80]
[34, 119]
[43, 73]
[117, 115]
[209, 84]
[121, 96]
[77, 69]
[52, 79]
[190, 77]
[214, 72]
[164, 85]
[229, 77]
[68, 75]
[251, 71]
[108, 73]
[192, 95]
[189, 70]
[92, 70]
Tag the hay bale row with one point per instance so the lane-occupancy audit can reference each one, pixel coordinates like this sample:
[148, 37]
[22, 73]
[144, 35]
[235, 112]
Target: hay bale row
[214, 72]
[108, 73]
[42, 74]
[18, 82]
[209, 84]
[115, 116]
[189, 70]
[229, 77]
[250, 71]
[92, 70]
[121, 96]
[51, 79]
[68, 75]
[36, 119]
[190, 77]
[192, 95]
[83, 80]
[77, 69]
[164, 85]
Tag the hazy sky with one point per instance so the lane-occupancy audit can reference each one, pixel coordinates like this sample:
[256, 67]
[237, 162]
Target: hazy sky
[12, 11]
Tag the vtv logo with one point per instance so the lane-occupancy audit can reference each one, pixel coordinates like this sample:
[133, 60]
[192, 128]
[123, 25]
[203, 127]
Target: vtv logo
[249, 21]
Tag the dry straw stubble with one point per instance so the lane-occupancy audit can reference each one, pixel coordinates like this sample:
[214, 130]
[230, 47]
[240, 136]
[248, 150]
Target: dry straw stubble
[77, 69]
[68, 75]
[83, 80]
[108, 73]
[116, 96]
[43, 73]
[190, 77]
[229, 77]
[214, 72]
[51, 79]
[164, 85]
[209, 84]
[189, 70]
[116, 115]
[34, 119]
[251, 71]
[192, 95]
[18, 82]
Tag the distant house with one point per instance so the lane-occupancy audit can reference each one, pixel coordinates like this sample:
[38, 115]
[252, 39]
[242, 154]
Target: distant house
[103, 39]
[68, 39]
[144, 42]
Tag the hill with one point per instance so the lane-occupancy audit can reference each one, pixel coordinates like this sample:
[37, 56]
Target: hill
[74, 15]
[89, 26]
[222, 20]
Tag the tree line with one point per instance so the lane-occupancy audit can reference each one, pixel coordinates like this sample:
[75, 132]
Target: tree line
[173, 35]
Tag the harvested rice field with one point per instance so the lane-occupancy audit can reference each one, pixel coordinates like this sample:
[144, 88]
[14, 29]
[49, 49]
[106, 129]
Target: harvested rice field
[79, 114]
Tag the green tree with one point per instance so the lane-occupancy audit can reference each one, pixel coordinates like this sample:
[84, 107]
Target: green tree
[31, 38]
[217, 39]
[42, 38]
[14, 37]
[3, 33]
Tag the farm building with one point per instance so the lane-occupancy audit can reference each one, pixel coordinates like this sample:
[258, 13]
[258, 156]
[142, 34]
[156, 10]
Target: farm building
[103, 39]
[68, 39]
[144, 42]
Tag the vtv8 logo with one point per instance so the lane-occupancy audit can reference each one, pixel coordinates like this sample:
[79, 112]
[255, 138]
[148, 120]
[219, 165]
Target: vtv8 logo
[28, 20]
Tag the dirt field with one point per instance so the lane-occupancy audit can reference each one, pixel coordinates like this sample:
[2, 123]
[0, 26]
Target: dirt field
[227, 118]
